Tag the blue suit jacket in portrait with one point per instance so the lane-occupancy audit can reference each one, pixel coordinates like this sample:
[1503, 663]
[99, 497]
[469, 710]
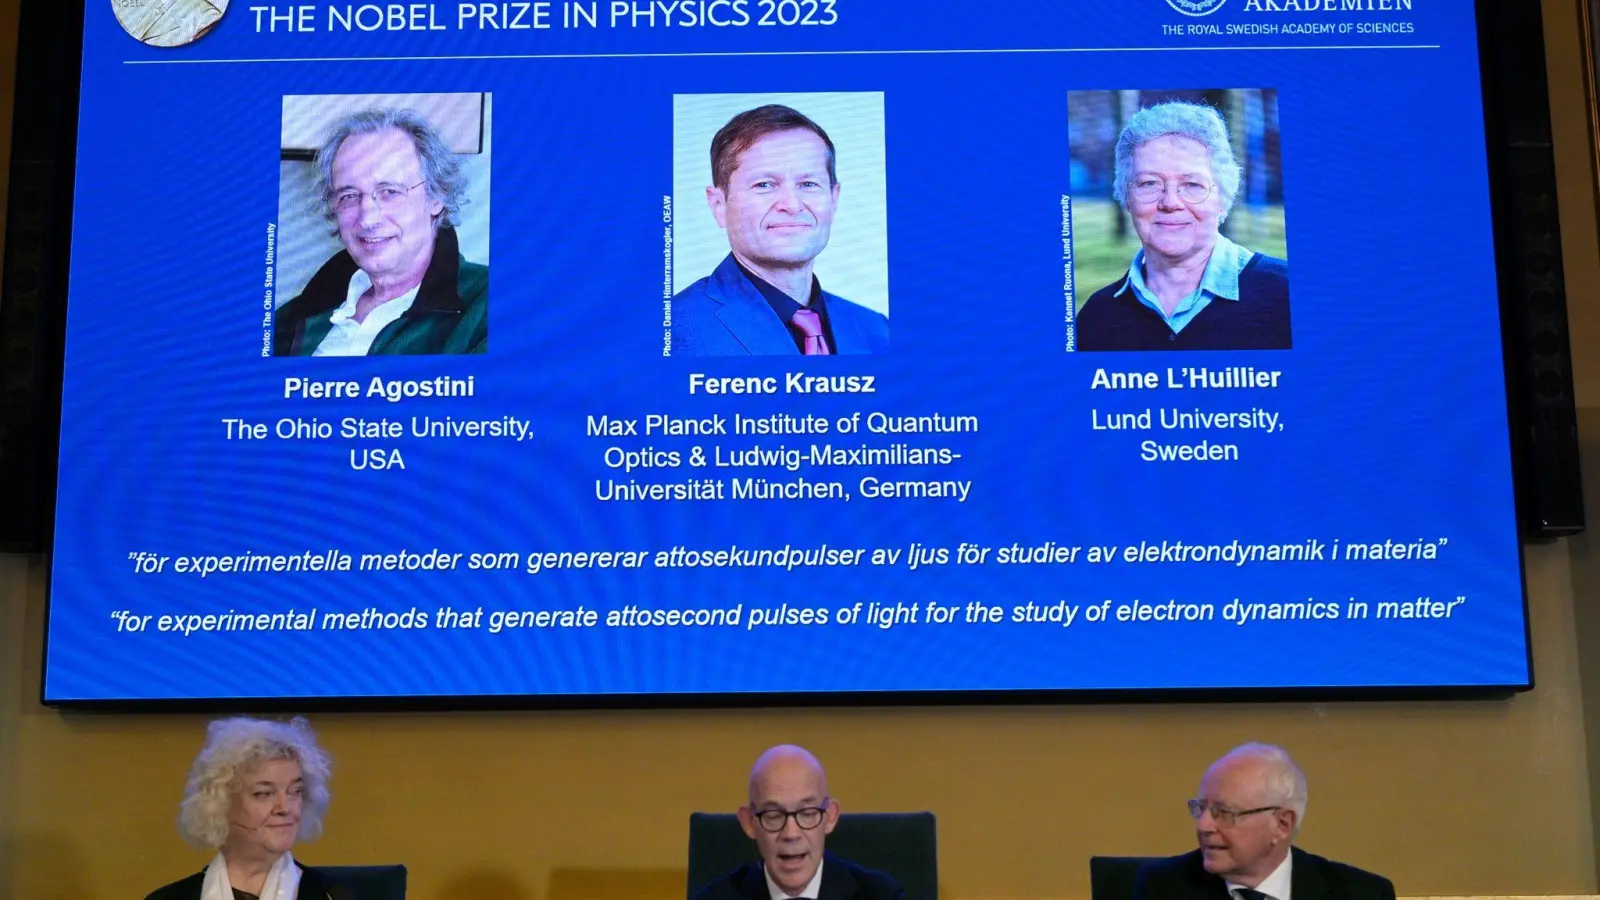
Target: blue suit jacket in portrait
[724, 315]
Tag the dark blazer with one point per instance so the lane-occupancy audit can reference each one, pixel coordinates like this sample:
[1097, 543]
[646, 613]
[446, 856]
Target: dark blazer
[724, 315]
[1312, 878]
[449, 315]
[841, 880]
[313, 886]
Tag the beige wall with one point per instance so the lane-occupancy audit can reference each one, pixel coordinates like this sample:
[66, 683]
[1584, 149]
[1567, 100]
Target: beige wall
[1447, 798]
[1581, 256]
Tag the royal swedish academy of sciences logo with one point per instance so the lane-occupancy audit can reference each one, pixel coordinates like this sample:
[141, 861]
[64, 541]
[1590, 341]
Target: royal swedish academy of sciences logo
[1196, 7]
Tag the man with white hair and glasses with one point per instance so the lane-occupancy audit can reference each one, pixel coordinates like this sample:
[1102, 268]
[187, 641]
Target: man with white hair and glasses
[392, 189]
[1188, 287]
[1249, 811]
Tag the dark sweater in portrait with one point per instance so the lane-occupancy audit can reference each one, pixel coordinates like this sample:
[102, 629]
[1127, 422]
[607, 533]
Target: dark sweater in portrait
[1114, 319]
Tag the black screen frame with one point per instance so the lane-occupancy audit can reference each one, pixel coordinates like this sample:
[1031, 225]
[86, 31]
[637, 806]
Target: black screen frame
[1503, 54]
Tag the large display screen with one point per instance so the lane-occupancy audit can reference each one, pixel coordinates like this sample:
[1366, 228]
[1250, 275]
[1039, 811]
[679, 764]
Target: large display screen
[835, 348]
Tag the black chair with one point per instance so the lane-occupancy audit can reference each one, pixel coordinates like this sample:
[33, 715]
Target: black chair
[369, 882]
[1111, 877]
[903, 846]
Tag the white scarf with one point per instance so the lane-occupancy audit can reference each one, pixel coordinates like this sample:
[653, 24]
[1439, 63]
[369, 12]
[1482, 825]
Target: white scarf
[283, 880]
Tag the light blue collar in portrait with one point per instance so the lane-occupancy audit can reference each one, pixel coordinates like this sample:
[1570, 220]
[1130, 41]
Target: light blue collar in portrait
[1221, 279]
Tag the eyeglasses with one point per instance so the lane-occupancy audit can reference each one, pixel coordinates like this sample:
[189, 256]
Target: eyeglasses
[1224, 815]
[776, 819]
[386, 195]
[1188, 191]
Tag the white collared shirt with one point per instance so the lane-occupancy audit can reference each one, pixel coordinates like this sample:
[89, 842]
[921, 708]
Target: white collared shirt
[1276, 885]
[348, 337]
[777, 893]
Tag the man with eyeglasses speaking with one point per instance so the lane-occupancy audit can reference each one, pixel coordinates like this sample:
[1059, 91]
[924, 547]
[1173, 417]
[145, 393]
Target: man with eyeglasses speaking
[1189, 287]
[1250, 807]
[393, 190]
[789, 817]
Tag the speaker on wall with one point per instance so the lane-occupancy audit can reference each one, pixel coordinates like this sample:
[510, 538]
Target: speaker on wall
[33, 292]
[1544, 419]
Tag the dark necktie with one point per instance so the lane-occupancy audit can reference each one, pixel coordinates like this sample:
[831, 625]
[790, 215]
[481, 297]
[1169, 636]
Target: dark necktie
[1251, 894]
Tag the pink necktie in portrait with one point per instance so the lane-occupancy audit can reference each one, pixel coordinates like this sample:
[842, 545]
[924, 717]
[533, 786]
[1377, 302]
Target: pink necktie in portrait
[810, 324]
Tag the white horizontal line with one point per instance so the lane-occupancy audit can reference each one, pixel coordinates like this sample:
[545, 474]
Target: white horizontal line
[728, 53]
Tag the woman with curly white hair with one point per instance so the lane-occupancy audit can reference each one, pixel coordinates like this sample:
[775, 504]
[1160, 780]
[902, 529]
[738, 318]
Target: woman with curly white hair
[256, 787]
[1189, 287]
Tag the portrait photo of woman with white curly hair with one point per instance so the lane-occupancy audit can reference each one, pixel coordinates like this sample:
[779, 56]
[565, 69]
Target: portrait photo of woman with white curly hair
[256, 788]
[1178, 219]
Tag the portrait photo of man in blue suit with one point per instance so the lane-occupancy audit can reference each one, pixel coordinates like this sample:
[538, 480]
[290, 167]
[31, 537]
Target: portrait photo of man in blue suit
[774, 192]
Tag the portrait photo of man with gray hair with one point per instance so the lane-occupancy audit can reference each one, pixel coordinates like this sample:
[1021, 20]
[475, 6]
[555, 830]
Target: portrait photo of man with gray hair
[1177, 175]
[393, 191]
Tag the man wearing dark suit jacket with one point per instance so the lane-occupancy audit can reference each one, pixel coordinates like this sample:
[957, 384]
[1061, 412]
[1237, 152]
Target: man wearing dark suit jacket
[789, 817]
[1250, 807]
[774, 190]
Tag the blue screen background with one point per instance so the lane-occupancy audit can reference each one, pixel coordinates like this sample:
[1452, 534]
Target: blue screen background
[1392, 397]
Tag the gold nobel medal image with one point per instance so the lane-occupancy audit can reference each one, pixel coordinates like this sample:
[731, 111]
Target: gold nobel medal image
[168, 23]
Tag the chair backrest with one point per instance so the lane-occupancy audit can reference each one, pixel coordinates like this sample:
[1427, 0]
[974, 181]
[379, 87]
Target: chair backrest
[1111, 877]
[903, 846]
[369, 882]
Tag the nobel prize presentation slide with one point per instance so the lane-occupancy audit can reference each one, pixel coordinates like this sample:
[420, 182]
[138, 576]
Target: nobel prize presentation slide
[596, 349]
